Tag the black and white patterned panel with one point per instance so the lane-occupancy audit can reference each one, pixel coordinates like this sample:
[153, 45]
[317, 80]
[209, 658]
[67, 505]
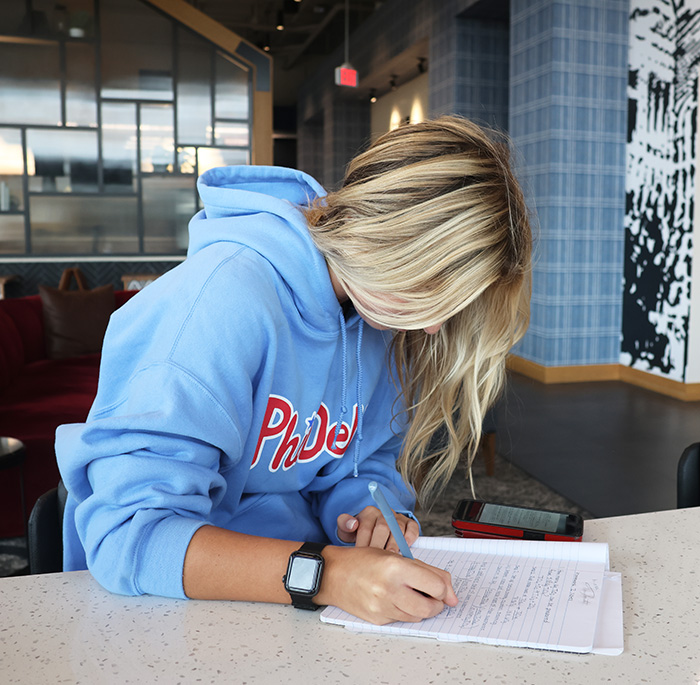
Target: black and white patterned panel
[663, 93]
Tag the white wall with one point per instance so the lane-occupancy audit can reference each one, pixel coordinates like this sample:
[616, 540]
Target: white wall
[408, 101]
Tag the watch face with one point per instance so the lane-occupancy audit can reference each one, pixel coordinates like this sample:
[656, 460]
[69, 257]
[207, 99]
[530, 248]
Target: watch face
[303, 574]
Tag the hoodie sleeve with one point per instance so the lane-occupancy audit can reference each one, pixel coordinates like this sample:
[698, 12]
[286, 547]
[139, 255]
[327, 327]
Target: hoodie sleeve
[351, 494]
[141, 490]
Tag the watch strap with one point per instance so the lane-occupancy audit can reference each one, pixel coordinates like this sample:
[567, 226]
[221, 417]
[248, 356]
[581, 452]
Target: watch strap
[312, 547]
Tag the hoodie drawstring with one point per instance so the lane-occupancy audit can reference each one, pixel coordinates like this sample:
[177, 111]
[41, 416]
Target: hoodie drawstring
[344, 388]
[360, 410]
[344, 385]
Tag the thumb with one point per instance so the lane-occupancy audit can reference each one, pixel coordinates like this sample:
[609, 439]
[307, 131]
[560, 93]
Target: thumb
[347, 527]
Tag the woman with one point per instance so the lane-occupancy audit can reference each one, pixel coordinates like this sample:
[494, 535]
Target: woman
[244, 406]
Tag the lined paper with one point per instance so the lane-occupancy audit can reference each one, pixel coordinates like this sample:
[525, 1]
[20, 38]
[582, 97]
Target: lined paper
[519, 593]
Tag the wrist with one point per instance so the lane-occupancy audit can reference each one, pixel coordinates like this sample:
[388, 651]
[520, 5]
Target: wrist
[333, 574]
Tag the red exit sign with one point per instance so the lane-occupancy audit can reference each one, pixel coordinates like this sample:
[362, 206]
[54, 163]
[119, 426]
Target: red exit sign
[346, 76]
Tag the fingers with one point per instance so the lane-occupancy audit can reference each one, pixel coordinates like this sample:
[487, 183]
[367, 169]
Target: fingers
[437, 584]
[410, 529]
[347, 528]
[373, 531]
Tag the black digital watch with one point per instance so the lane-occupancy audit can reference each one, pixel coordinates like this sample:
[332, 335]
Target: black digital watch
[304, 572]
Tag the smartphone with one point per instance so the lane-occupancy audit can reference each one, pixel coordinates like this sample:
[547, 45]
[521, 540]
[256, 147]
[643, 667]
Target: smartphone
[479, 519]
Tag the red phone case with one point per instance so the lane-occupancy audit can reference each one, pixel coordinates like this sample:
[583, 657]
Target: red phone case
[475, 529]
[498, 533]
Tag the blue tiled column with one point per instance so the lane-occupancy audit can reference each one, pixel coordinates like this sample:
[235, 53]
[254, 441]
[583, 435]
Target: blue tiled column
[568, 110]
[469, 66]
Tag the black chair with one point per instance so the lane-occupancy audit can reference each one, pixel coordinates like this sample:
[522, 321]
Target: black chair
[45, 532]
[689, 477]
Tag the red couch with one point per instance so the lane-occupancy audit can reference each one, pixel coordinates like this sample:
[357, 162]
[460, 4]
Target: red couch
[37, 394]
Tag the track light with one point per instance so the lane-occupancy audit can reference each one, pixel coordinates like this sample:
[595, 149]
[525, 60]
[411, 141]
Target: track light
[372, 95]
[422, 68]
[280, 21]
[392, 83]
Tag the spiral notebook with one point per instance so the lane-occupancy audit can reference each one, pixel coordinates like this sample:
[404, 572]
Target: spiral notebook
[545, 595]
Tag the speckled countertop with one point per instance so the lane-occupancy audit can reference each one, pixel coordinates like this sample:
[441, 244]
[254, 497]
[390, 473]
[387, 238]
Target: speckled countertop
[64, 628]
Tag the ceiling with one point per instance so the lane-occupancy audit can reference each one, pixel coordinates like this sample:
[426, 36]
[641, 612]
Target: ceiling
[315, 28]
[312, 28]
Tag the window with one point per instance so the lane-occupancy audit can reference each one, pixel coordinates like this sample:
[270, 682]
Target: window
[105, 125]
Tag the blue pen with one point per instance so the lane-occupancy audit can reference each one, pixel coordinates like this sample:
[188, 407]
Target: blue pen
[388, 514]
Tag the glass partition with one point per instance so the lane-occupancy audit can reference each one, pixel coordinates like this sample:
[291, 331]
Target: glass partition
[11, 170]
[76, 225]
[168, 206]
[105, 126]
[210, 157]
[119, 147]
[187, 160]
[231, 94]
[65, 160]
[48, 18]
[30, 83]
[232, 133]
[81, 103]
[157, 143]
[136, 55]
[194, 96]
[11, 233]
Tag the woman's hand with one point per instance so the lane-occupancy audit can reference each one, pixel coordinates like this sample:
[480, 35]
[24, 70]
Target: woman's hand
[369, 529]
[381, 587]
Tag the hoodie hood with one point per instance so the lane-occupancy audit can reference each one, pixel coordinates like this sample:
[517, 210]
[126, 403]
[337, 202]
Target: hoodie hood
[266, 203]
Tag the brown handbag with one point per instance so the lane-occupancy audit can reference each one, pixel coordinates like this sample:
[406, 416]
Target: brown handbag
[75, 320]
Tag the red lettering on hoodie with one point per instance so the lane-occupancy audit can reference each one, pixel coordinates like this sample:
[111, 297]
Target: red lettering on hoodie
[280, 422]
[278, 414]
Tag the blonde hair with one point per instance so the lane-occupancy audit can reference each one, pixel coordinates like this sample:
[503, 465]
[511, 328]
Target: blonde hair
[431, 218]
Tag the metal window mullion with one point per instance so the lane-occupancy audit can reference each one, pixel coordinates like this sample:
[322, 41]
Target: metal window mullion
[98, 92]
[25, 192]
[197, 199]
[139, 183]
[251, 96]
[212, 94]
[176, 65]
[63, 77]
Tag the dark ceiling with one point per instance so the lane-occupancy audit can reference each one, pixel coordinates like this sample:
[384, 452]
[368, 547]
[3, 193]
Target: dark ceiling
[312, 28]
[315, 28]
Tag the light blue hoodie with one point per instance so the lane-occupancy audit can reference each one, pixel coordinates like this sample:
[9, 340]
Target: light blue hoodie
[220, 391]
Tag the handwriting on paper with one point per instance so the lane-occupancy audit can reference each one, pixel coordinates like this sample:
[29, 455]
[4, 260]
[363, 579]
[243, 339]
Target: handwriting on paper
[506, 598]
